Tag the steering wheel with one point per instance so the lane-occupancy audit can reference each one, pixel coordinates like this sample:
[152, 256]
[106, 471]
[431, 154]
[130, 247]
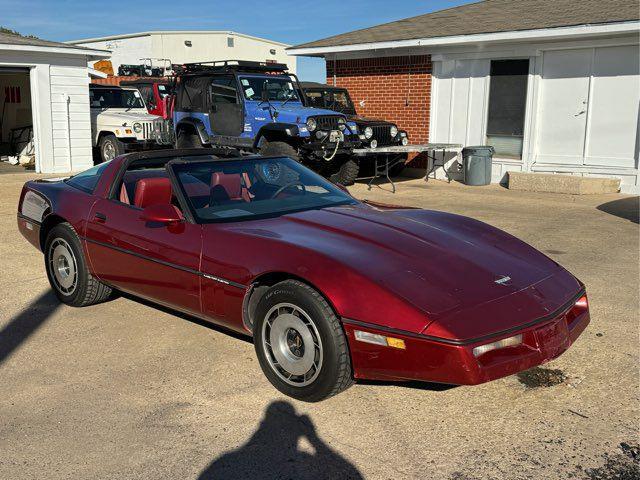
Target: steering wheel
[288, 185]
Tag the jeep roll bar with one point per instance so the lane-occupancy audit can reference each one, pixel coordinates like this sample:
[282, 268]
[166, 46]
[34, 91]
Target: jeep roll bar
[220, 66]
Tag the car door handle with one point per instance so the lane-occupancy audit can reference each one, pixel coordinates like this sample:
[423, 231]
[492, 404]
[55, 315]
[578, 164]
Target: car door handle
[100, 217]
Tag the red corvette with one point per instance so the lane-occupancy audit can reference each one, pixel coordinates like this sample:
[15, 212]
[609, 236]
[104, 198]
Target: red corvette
[330, 288]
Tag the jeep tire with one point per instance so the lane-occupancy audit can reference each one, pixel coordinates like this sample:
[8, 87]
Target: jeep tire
[279, 149]
[187, 138]
[344, 171]
[110, 148]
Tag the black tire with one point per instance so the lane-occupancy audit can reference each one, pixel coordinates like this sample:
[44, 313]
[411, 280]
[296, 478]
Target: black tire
[279, 149]
[345, 171]
[187, 138]
[331, 353]
[63, 240]
[110, 148]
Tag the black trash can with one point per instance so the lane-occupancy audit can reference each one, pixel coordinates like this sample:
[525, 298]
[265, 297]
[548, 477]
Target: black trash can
[477, 165]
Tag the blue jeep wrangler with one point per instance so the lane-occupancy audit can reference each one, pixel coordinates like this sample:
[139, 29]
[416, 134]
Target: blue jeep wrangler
[257, 107]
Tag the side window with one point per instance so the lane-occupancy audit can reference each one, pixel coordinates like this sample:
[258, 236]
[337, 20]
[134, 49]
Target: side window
[87, 180]
[223, 90]
[147, 94]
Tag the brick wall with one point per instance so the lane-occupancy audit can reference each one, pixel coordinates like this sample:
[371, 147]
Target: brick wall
[393, 88]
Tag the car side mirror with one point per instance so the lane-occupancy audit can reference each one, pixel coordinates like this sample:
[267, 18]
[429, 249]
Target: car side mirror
[166, 214]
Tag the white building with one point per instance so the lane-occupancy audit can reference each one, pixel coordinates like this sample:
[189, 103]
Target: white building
[553, 85]
[187, 46]
[44, 85]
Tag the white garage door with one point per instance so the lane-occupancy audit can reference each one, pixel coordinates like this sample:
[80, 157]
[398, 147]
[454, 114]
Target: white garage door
[588, 107]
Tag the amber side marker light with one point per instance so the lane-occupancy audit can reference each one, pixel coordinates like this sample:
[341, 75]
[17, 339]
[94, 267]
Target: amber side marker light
[374, 338]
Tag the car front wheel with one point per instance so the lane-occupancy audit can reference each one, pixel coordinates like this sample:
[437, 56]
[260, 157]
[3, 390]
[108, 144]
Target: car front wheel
[300, 343]
[67, 269]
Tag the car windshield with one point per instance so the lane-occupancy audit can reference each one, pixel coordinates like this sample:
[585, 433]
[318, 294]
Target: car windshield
[279, 88]
[245, 189]
[336, 100]
[115, 98]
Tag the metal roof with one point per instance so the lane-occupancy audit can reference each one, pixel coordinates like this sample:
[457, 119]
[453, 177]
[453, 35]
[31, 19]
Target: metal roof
[490, 16]
[18, 40]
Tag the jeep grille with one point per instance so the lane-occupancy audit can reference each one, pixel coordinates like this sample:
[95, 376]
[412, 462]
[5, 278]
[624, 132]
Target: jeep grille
[327, 122]
[382, 133]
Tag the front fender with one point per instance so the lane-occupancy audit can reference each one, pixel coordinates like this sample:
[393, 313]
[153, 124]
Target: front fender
[288, 130]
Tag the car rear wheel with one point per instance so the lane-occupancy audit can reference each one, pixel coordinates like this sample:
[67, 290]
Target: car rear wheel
[110, 148]
[67, 269]
[300, 343]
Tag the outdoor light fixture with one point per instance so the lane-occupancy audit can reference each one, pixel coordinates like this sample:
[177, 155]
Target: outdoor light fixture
[188, 43]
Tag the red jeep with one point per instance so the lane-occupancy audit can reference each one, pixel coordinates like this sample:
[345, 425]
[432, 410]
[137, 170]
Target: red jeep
[154, 91]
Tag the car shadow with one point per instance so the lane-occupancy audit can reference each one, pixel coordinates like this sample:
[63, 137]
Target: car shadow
[186, 316]
[411, 384]
[26, 323]
[274, 451]
[627, 208]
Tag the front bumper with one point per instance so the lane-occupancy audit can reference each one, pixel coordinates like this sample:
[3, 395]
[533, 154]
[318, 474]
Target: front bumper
[324, 146]
[451, 362]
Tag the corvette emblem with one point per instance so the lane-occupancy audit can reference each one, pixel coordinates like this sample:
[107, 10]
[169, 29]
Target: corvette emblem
[504, 280]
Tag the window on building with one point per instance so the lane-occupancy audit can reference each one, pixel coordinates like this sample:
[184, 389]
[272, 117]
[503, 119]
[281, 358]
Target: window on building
[507, 105]
[230, 42]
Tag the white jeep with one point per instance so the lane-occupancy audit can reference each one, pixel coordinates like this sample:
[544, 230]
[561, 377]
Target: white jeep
[120, 122]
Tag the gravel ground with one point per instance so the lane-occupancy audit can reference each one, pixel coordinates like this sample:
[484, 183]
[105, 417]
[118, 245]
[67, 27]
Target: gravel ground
[127, 390]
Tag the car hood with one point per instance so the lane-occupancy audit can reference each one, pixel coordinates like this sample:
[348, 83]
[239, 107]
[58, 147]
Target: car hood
[368, 122]
[441, 263]
[302, 112]
[121, 116]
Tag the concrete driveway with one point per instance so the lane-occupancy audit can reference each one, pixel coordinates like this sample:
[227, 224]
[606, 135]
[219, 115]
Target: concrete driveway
[127, 390]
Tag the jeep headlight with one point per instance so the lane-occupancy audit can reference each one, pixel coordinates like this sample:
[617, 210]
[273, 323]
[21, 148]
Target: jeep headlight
[137, 127]
[311, 124]
[342, 124]
[368, 133]
[393, 131]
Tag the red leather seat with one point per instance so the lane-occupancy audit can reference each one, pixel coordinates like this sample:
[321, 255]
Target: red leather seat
[152, 191]
[232, 185]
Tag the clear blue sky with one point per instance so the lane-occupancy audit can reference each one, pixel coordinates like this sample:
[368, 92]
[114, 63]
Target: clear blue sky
[285, 21]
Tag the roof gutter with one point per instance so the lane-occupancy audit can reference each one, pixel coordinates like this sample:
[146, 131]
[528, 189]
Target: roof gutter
[63, 50]
[520, 35]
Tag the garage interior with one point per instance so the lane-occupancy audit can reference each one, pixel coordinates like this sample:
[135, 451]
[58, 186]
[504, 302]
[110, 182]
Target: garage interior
[16, 117]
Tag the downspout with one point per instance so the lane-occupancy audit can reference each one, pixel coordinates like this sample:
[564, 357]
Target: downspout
[67, 101]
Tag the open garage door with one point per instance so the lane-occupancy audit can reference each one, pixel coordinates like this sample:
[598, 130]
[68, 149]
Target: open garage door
[16, 117]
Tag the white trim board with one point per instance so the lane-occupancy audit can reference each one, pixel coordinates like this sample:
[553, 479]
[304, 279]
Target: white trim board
[563, 33]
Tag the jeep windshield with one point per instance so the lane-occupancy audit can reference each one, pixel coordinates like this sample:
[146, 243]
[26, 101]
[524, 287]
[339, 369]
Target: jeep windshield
[330, 99]
[252, 188]
[115, 98]
[279, 88]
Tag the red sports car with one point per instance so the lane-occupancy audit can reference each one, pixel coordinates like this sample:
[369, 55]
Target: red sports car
[331, 289]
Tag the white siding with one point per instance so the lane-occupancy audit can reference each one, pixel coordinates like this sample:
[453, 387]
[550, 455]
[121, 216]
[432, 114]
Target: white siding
[71, 128]
[460, 89]
[54, 78]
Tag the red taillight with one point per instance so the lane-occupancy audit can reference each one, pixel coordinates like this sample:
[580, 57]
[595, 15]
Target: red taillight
[582, 302]
[581, 306]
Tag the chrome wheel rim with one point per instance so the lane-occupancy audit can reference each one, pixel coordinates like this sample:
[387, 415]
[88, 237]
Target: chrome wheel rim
[63, 266]
[292, 344]
[108, 151]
